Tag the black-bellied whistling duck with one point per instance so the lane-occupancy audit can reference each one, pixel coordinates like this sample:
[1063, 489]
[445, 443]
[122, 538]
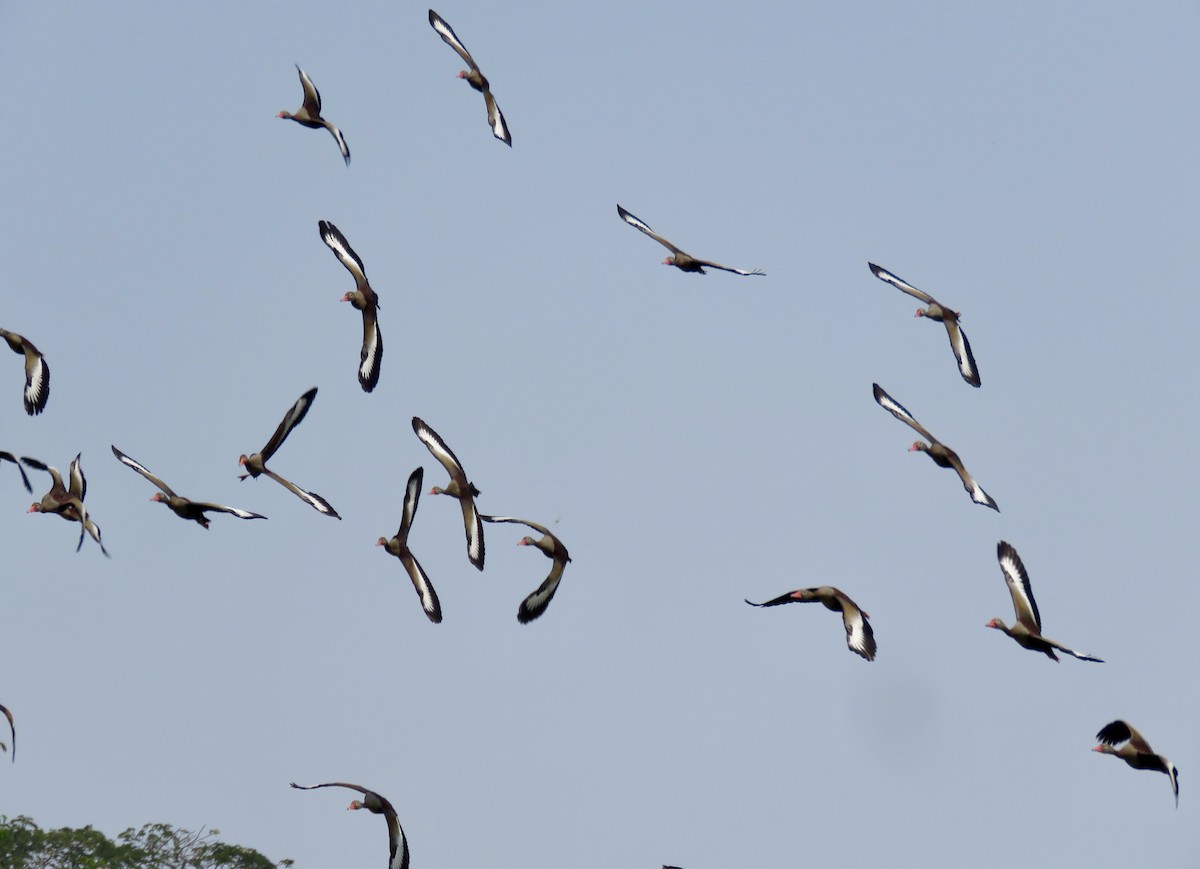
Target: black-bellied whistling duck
[474, 77]
[1028, 629]
[309, 114]
[1136, 752]
[37, 372]
[398, 546]
[860, 639]
[377, 804]
[459, 487]
[941, 454]
[9, 457]
[364, 299]
[535, 604]
[939, 312]
[13, 729]
[66, 501]
[180, 506]
[256, 464]
[682, 261]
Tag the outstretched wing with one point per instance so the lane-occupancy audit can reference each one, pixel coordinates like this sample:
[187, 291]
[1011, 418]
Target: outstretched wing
[1116, 732]
[78, 482]
[233, 511]
[37, 382]
[13, 729]
[899, 283]
[790, 597]
[312, 98]
[412, 497]
[962, 351]
[535, 604]
[137, 466]
[312, 499]
[742, 272]
[973, 488]
[6, 456]
[1080, 655]
[496, 119]
[337, 243]
[291, 419]
[371, 356]
[859, 637]
[1018, 586]
[639, 224]
[448, 35]
[340, 139]
[515, 521]
[424, 588]
[897, 410]
[434, 443]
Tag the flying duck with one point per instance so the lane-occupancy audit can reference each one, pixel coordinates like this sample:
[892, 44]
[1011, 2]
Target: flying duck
[1028, 629]
[309, 114]
[1136, 752]
[680, 260]
[860, 639]
[257, 464]
[459, 487]
[364, 299]
[941, 454]
[182, 507]
[474, 77]
[535, 604]
[67, 502]
[377, 804]
[398, 546]
[939, 312]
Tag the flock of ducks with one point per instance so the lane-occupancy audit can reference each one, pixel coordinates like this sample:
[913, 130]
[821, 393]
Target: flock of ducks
[1027, 629]
[66, 499]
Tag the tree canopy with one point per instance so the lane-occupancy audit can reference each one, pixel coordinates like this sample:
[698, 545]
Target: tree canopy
[25, 845]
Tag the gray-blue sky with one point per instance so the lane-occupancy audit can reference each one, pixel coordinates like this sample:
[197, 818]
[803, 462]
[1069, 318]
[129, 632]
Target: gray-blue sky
[698, 440]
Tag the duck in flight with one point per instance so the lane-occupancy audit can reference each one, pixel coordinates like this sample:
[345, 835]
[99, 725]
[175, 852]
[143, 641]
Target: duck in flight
[1028, 629]
[860, 639]
[682, 261]
[398, 546]
[1136, 752]
[459, 487]
[941, 454]
[934, 310]
[67, 501]
[364, 299]
[474, 77]
[309, 114]
[376, 804]
[535, 604]
[256, 464]
[182, 507]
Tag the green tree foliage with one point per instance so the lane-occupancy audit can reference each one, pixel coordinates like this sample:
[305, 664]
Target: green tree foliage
[25, 845]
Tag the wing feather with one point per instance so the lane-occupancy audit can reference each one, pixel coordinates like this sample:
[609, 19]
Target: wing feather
[291, 419]
[899, 283]
[898, 410]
